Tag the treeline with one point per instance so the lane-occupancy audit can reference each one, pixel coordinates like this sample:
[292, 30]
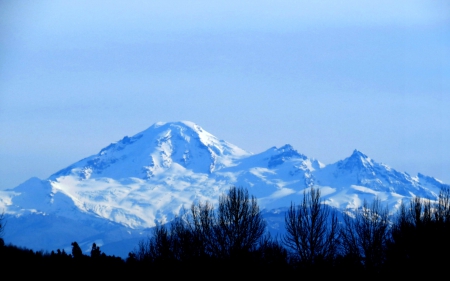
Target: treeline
[319, 240]
[23, 262]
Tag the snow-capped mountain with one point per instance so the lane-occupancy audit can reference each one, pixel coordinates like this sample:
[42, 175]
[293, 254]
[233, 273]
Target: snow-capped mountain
[155, 150]
[111, 198]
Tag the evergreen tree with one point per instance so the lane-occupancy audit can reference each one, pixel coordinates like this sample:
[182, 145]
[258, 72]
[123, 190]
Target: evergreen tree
[95, 251]
[76, 250]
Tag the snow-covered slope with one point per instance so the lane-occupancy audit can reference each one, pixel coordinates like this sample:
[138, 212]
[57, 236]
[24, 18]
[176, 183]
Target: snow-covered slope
[133, 184]
[155, 150]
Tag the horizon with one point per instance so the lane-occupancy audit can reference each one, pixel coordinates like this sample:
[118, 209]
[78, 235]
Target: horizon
[326, 78]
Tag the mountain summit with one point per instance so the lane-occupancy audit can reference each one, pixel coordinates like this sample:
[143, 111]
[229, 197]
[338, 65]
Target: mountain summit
[161, 147]
[149, 178]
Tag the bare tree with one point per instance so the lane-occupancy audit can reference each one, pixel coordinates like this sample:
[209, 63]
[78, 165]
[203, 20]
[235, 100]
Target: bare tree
[238, 224]
[201, 223]
[312, 229]
[158, 247]
[366, 235]
[420, 233]
[234, 229]
[443, 206]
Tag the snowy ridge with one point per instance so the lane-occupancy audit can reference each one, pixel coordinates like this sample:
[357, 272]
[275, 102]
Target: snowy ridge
[150, 177]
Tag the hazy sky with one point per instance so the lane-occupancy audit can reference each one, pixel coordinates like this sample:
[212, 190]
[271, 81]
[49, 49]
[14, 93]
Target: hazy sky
[327, 77]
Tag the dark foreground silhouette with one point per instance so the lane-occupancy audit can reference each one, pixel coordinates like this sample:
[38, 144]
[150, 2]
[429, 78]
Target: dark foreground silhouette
[230, 242]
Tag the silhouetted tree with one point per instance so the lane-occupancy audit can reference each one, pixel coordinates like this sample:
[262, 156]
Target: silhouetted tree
[271, 253]
[406, 245]
[233, 230]
[188, 243]
[365, 236]
[131, 259]
[201, 223]
[420, 234]
[443, 207]
[95, 251]
[76, 250]
[160, 246]
[312, 229]
[238, 224]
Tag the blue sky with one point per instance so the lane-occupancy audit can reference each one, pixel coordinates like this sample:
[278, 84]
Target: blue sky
[323, 76]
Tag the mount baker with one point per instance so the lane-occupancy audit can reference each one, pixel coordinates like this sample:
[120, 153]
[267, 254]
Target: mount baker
[112, 198]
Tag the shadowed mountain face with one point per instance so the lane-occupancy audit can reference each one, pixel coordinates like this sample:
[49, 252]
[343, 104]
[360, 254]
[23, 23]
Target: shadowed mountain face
[138, 181]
